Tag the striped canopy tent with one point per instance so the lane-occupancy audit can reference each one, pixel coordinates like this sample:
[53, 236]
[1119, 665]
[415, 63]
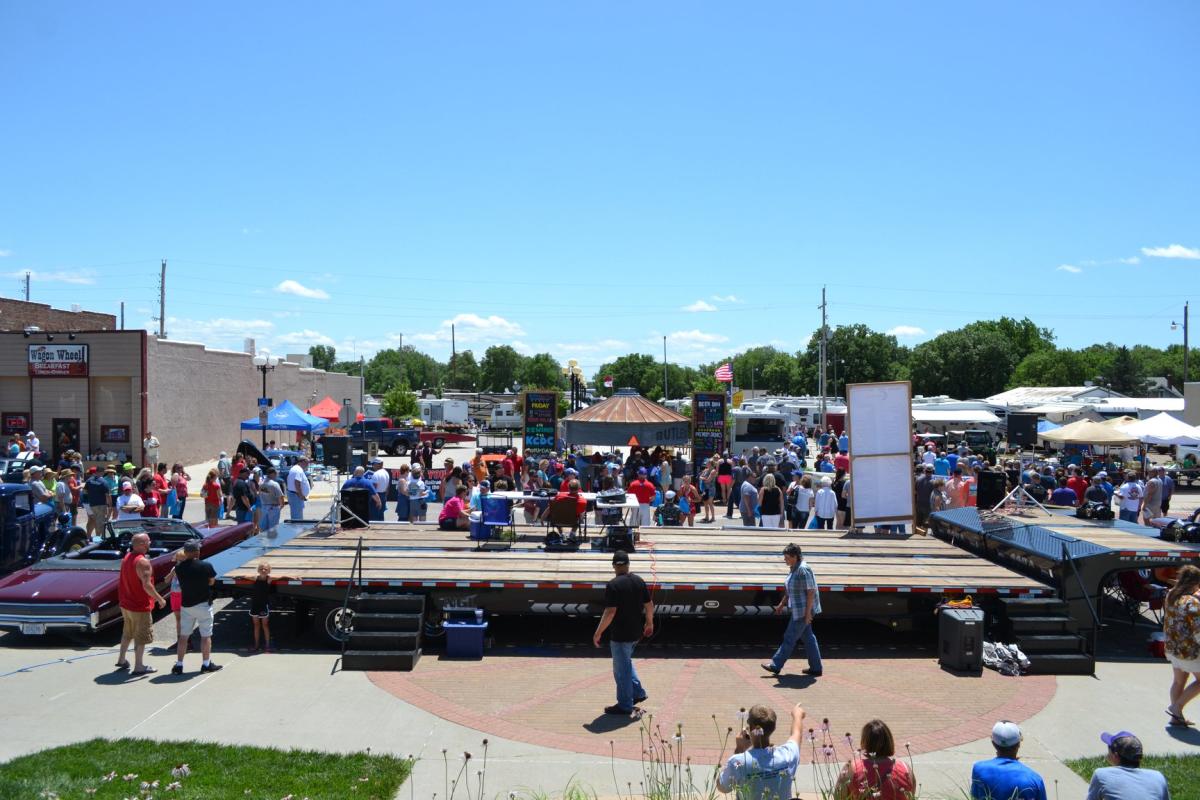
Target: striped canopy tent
[627, 418]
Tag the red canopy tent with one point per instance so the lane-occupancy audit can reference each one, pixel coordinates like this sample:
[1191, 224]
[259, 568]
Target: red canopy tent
[328, 409]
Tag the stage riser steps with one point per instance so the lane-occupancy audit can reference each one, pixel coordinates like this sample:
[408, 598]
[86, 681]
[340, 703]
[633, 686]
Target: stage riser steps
[1063, 644]
[386, 603]
[394, 623]
[385, 632]
[1033, 607]
[1061, 664]
[383, 640]
[380, 660]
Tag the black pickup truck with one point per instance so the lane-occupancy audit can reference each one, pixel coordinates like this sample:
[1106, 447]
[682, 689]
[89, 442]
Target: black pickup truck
[393, 441]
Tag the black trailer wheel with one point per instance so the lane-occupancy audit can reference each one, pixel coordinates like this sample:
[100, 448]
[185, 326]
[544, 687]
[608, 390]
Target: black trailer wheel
[337, 621]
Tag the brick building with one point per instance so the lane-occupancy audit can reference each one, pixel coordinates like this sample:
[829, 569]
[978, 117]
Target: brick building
[17, 315]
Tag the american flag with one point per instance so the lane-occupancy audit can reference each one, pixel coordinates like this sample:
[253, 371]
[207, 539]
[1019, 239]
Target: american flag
[724, 373]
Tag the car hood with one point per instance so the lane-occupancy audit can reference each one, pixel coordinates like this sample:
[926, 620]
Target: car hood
[58, 586]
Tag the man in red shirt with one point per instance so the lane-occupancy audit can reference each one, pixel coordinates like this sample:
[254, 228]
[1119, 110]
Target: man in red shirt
[1077, 484]
[569, 492]
[509, 465]
[644, 491]
[137, 597]
[841, 461]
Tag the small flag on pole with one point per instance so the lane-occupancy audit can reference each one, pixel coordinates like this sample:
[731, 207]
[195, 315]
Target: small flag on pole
[724, 373]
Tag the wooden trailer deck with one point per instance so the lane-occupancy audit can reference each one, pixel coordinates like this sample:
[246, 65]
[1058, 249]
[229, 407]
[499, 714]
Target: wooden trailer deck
[687, 560]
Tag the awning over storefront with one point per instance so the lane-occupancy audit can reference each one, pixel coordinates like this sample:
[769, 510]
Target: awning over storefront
[627, 414]
[287, 417]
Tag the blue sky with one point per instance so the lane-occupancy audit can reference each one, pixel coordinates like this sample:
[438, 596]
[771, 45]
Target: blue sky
[586, 178]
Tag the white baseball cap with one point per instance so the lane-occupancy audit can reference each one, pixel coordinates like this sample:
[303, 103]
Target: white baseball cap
[1006, 734]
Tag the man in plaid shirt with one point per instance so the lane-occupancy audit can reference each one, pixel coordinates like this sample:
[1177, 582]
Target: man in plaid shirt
[802, 601]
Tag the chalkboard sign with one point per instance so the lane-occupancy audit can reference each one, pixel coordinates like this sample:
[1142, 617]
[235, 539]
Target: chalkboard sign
[541, 423]
[708, 427]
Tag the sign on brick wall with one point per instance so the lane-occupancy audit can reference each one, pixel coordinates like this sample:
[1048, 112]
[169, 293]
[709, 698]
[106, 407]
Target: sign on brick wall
[58, 360]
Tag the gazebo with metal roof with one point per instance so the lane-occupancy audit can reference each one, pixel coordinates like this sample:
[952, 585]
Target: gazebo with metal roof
[627, 418]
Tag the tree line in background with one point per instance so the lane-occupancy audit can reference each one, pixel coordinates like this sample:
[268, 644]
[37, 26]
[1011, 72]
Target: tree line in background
[974, 361]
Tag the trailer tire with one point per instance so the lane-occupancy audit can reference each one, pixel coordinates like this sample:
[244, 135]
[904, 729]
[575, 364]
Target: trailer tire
[438, 444]
[336, 622]
[399, 448]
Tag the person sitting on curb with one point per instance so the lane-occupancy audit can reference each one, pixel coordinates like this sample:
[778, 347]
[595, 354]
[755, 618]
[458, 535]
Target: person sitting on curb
[1004, 776]
[1126, 778]
[757, 770]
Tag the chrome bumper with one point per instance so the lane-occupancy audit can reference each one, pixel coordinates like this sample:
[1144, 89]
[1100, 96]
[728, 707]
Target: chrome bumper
[57, 616]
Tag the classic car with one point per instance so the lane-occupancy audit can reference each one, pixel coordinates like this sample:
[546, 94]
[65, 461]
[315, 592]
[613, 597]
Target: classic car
[32, 531]
[78, 590]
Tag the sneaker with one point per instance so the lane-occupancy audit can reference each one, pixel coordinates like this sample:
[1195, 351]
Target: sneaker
[770, 668]
[211, 667]
[815, 673]
[614, 709]
[177, 669]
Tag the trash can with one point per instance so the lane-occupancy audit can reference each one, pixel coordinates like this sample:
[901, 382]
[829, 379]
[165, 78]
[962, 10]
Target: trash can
[464, 639]
[356, 502]
[960, 639]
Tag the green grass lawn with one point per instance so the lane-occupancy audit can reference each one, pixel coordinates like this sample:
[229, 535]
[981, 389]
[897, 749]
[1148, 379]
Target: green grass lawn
[1182, 772]
[215, 771]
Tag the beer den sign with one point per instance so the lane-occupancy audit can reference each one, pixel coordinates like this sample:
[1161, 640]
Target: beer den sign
[58, 360]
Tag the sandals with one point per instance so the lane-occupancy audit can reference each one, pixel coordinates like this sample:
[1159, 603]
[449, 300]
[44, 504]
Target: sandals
[143, 671]
[122, 665]
[1178, 720]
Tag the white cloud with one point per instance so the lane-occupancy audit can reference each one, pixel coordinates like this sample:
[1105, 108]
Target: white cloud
[469, 328]
[80, 277]
[1071, 268]
[304, 339]
[726, 298]
[1172, 251]
[589, 347]
[694, 337]
[700, 305]
[300, 290]
[1130, 260]
[221, 333]
[5, 253]
[906, 330]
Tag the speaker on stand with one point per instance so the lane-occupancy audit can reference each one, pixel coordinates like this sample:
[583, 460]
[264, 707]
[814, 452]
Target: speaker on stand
[1022, 430]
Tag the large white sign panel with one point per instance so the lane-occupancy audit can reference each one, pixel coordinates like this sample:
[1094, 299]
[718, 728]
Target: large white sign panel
[879, 421]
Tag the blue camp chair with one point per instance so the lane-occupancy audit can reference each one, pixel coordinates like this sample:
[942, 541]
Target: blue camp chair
[496, 515]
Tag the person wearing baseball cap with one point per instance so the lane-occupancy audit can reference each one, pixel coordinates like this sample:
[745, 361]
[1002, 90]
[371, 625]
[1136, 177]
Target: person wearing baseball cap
[644, 490]
[1005, 776]
[1126, 778]
[381, 481]
[628, 616]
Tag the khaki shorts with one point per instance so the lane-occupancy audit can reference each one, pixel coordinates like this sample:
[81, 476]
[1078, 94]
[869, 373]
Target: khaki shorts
[99, 514]
[197, 616]
[137, 626]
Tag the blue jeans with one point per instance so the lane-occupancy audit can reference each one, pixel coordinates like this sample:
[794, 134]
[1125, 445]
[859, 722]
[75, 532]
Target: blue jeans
[797, 630]
[376, 511]
[402, 507]
[629, 688]
[1128, 516]
[295, 507]
[242, 514]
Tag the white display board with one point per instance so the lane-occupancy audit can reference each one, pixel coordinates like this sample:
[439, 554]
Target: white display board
[879, 423]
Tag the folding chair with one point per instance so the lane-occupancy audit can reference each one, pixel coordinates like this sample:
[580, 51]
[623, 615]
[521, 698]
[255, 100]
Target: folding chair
[564, 513]
[1131, 589]
[496, 514]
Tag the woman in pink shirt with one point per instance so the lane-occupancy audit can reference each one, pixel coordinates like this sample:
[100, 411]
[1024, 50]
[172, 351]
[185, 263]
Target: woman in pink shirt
[875, 772]
[454, 515]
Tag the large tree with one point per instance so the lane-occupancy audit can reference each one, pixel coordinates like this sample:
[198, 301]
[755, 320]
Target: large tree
[541, 371]
[1053, 367]
[1125, 374]
[323, 356]
[399, 402]
[963, 364]
[633, 370]
[856, 354]
[500, 368]
[462, 373]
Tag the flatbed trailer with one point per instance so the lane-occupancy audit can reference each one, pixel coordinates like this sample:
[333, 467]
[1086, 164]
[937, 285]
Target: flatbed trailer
[692, 572]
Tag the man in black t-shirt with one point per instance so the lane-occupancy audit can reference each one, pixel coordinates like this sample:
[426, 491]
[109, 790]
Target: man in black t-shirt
[196, 578]
[98, 500]
[628, 616]
[243, 496]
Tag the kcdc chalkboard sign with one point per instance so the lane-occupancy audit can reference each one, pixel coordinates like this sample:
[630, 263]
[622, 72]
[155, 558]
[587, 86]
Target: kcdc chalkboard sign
[541, 423]
[708, 427]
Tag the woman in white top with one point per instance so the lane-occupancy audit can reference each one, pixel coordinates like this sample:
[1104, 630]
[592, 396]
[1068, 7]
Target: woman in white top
[801, 494]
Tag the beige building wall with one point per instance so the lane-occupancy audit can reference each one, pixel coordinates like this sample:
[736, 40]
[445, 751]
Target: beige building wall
[1191, 403]
[199, 397]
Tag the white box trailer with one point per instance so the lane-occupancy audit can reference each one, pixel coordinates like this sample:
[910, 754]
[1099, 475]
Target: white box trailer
[443, 412]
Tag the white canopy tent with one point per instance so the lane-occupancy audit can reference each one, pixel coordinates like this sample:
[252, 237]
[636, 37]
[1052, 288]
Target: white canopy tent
[1163, 429]
[955, 416]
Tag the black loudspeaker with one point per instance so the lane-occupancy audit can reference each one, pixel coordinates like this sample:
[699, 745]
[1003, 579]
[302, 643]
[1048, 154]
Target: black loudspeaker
[356, 507]
[337, 452]
[960, 639]
[992, 488]
[618, 537]
[1022, 429]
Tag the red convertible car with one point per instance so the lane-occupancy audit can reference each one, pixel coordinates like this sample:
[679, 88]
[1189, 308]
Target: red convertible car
[78, 591]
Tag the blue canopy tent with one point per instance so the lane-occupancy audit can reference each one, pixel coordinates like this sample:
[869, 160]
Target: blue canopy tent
[1045, 425]
[287, 417]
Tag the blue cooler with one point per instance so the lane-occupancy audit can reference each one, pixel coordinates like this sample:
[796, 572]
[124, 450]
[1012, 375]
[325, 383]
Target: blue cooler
[480, 531]
[464, 639]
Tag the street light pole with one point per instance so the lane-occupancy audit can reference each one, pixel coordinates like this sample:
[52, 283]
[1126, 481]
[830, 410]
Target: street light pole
[264, 362]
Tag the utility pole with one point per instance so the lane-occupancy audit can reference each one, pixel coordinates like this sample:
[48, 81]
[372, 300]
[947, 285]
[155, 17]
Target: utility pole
[27, 286]
[1174, 325]
[122, 315]
[666, 396]
[162, 301]
[453, 357]
[362, 384]
[821, 367]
